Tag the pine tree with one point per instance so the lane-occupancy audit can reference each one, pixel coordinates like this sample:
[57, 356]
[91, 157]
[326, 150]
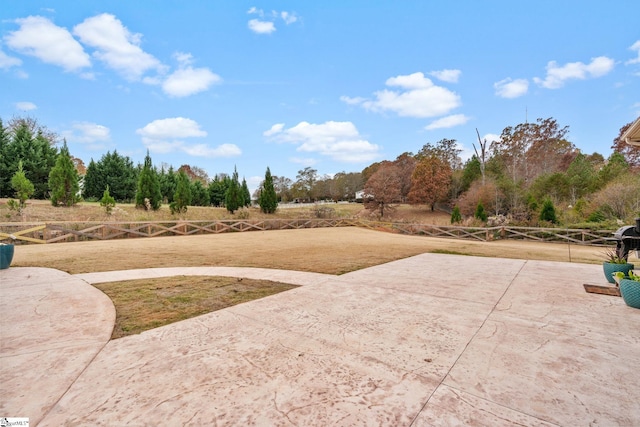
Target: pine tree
[199, 194]
[480, 213]
[217, 190]
[456, 216]
[182, 196]
[148, 195]
[246, 194]
[63, 180]
[107, 202]
[22, 186]
[548, 212]
[268, 199]
[5, 164]
[233, 197]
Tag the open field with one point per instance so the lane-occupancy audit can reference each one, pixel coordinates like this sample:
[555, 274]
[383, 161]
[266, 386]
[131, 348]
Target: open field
[325, 250]
[42, 211]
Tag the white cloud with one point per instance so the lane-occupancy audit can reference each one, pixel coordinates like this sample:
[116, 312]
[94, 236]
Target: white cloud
[352, 101]
[278, 127]
[266, 23]
[168, 135]
[420, 98]
[188, 81]
[509, 88]
[288, 17]
[41, 38]
[202, 150]
[176, 127]
[25, 106]
[635, 47]
[305, 161]
[449, 76]
[558, 75]
[448, 122]
[261, 27]
[118, 48]
[183, 58]
[87, 133]
[7, 61]
[340, 141]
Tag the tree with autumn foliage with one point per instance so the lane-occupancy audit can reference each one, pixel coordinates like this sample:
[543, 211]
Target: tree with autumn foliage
[630, 152]
[383, 189]
[430, 181]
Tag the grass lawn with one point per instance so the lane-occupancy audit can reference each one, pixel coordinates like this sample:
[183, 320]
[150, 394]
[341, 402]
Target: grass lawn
[148, 303]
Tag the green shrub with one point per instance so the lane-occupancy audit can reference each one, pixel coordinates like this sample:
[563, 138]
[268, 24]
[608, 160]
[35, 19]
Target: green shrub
[107, 202]
[456, 216]
[548, 212]
[480, 213]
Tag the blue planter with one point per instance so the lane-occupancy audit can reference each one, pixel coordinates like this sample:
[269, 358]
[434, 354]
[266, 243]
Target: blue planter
[610, 268]
[6, 255]
[630, 291]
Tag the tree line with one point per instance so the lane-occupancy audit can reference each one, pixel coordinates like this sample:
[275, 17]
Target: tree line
[32, 167]
[523, 176]
[531, 169]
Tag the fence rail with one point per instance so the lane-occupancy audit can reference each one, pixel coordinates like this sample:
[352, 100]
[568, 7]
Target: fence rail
[54, 232]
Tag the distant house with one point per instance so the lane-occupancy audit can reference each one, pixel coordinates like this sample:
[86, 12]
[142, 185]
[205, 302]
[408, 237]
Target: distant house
[361, 195]
[632, 135]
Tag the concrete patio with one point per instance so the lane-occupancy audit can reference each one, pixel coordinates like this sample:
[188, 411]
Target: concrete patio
[425, 341]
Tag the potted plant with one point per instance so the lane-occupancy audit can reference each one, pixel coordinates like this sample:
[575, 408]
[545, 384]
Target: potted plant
[614, 263]
[6, 255]
[629, 287]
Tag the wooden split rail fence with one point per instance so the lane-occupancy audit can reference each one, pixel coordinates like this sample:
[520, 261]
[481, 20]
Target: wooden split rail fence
[54, 232]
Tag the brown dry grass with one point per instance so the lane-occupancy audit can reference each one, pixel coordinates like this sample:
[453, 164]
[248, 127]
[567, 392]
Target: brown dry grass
[145, 304]
[41, 210]
[324, 250]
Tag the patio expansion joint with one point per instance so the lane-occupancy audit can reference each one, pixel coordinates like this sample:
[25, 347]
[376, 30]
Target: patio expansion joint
[475, 334]
[86, 366]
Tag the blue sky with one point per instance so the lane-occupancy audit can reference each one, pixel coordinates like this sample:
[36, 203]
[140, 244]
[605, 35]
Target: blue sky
[335, 85]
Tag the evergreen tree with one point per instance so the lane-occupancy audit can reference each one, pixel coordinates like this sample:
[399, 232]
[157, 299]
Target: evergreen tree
[148, 195]
[168, 184]
[38, 155]
[217, 190]
[22, 186]
[107, 202]
[268, 199]
[233, 198]
[199, 194]
[480, 213]
[246, 194]
[548, 212]
[114, 170]
[63, 180]
[6, 168]
[182, 196]
[456, 216]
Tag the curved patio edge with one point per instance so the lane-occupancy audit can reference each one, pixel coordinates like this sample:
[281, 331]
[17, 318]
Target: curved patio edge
[53, 325]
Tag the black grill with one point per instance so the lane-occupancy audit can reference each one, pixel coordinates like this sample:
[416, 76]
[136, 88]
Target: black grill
[627, 239]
